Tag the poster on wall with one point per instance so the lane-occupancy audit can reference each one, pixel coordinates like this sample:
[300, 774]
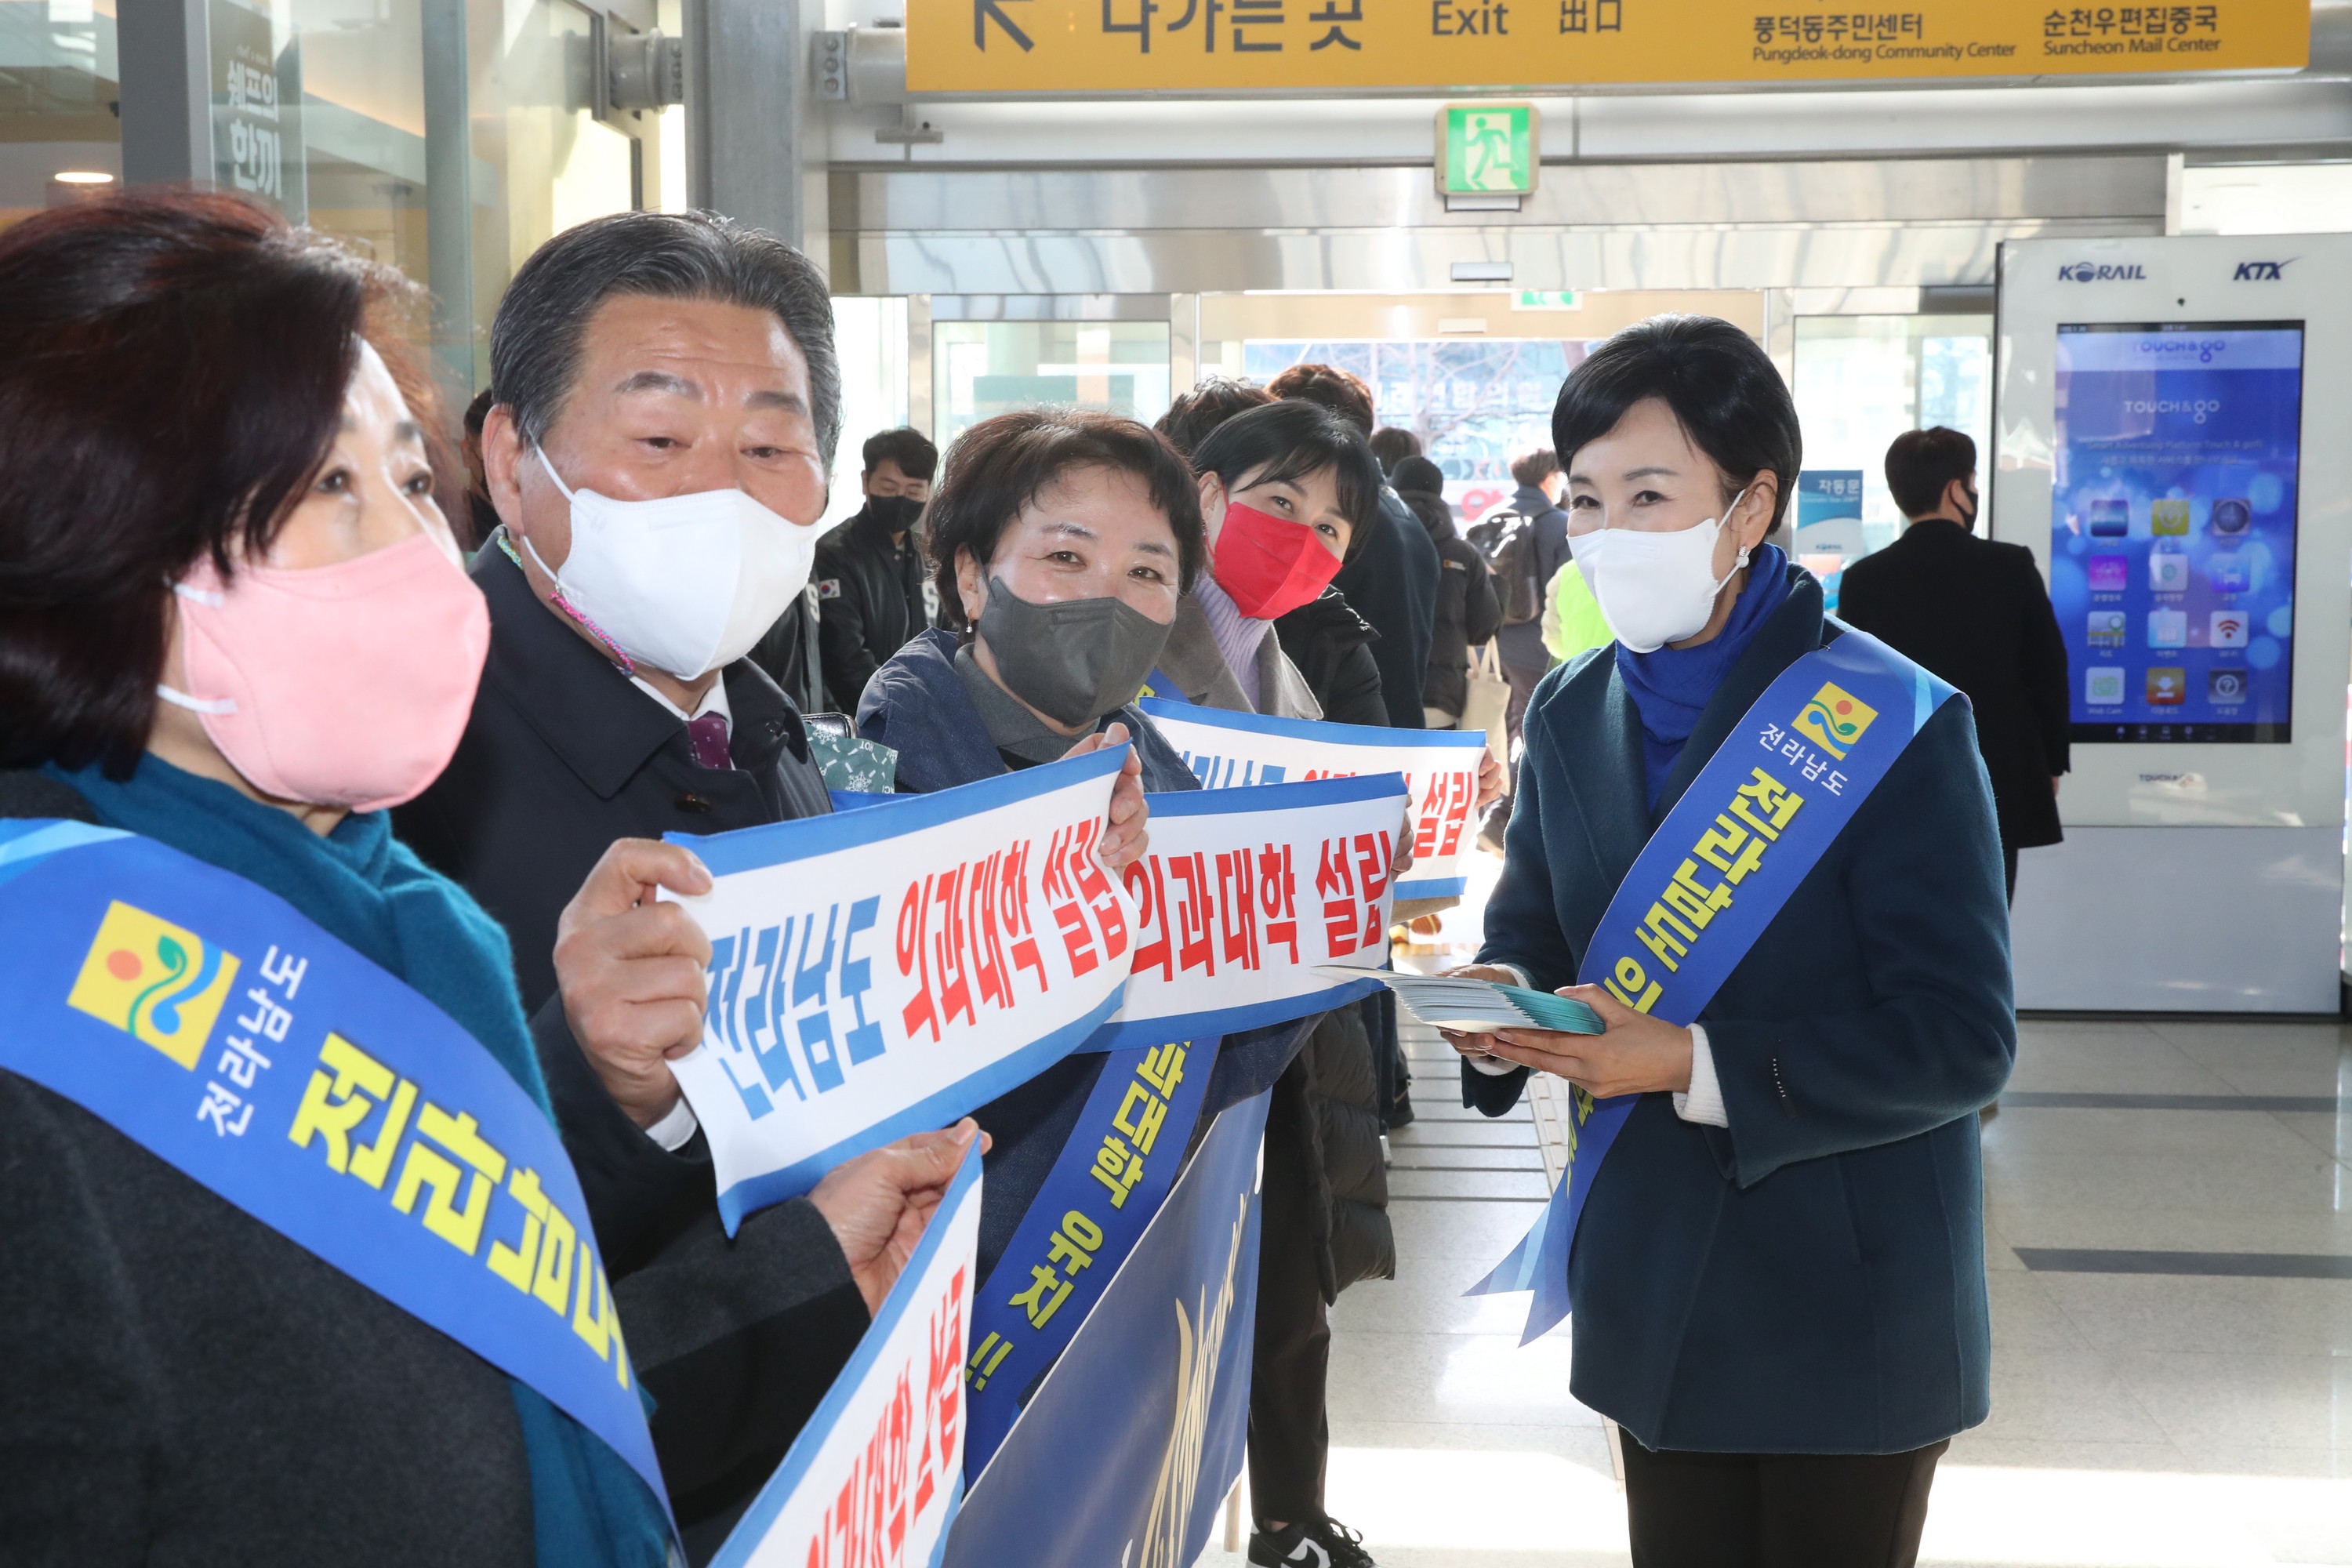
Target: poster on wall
[1475, 405]
[2172, 531]
[1829, 526]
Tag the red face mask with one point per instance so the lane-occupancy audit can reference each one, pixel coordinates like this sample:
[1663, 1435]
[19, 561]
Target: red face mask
[1269, 565]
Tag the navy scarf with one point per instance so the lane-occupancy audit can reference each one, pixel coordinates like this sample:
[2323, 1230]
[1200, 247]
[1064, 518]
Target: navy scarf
[1672, 687]
[588, 1508]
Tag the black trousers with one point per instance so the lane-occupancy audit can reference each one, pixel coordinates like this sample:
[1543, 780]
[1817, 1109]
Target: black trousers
[1289, 1436]
[1777, 1510]
[1524, 679]
[2009, 870]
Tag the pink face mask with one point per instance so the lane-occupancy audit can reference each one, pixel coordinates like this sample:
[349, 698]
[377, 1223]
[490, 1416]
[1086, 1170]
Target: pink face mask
[343, 685]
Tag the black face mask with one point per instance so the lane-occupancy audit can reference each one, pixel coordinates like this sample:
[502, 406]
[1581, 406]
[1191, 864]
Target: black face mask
[1969, 519]
[894, 514]
[1073, 661]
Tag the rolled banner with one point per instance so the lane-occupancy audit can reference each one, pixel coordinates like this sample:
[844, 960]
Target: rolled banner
[876, 1476]
[882, 972]
[1245, 893]
[1440, 769]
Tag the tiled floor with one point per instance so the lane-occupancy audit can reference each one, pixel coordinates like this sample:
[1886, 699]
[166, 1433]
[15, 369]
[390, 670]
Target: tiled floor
[2197, 1419]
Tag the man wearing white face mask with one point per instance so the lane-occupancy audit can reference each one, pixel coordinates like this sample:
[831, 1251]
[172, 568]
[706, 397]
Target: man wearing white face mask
[666, 399]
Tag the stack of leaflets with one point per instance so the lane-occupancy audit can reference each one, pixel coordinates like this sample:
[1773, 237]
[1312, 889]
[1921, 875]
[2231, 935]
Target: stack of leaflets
[1470, 1007]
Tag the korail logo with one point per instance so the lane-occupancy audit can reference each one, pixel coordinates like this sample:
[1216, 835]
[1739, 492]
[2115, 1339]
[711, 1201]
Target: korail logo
[2264, 271]
[2102, 272]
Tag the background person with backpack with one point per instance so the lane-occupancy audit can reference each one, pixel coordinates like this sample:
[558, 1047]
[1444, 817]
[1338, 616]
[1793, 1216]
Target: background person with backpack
[1467, 612]
[1525, 544]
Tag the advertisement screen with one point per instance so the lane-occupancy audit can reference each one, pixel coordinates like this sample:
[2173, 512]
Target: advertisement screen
[2172, 528]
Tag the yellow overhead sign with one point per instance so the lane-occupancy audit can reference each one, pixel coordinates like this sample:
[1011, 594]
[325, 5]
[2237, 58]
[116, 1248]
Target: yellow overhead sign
[1119, 46]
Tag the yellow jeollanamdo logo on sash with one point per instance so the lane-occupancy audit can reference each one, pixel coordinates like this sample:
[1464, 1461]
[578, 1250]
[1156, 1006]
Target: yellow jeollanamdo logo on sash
[160, 982]
[1835, 717]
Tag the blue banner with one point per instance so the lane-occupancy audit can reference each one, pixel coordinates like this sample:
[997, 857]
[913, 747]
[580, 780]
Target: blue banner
[1752, 825]
[1440, 768]
[1243, 898]
[876, 1475]
[1126, 1449]
[1106, 1187]
[878, 973]
[206, 1020]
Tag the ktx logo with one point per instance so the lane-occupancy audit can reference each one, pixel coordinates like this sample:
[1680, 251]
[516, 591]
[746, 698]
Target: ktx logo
[2102, 272]
[2264, 271]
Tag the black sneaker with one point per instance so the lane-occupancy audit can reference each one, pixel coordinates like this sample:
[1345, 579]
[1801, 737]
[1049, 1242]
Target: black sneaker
[1319, 1544]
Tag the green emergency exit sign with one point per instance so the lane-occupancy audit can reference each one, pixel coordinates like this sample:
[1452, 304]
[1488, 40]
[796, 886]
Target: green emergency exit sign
[1486, 148]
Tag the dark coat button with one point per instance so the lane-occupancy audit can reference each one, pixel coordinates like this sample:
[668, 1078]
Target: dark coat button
[693, 802]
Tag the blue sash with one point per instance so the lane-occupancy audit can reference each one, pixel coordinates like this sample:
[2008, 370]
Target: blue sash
[1751, 825]
[1105, 1184]
[205, 1019]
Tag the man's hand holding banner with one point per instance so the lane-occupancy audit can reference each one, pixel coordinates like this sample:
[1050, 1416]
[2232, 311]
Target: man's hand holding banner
[876, 1475]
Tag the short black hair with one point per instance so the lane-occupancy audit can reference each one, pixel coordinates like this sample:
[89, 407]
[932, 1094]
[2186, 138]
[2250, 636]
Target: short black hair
[179, 362]
[1294, 439]
[478, 411]
[535, 340]
[1392, 445]
[907, 446]
[1342, 392]
[1418, 476]
[1001, 465]
[1717, 381]
[1194, 414]
[1922, 463]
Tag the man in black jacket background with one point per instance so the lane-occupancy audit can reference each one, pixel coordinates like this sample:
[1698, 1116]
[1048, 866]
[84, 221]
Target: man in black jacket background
[1976, 614]
[873, 592]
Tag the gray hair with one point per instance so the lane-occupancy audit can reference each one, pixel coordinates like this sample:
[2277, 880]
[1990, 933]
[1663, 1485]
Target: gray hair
[535, 341]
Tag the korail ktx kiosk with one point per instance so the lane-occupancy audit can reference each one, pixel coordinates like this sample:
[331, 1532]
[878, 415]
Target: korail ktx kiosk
[2173, 439]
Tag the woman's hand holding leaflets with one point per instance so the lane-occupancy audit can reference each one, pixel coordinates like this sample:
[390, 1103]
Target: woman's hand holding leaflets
[1636, 1054]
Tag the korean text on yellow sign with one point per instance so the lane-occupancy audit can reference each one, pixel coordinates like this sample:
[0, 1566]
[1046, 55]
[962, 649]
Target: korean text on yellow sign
[1111, 46]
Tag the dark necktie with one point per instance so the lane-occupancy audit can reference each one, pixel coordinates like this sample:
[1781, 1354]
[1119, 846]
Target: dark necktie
[707, 738]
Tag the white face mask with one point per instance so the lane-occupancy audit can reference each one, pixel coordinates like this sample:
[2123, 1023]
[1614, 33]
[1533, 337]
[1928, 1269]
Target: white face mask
[685, 583]
[1654, 588]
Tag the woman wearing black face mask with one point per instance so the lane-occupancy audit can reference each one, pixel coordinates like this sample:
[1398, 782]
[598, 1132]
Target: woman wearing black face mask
[1067, 539]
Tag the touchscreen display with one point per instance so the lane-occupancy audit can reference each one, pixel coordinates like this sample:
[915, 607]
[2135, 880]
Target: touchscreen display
[2172, 528]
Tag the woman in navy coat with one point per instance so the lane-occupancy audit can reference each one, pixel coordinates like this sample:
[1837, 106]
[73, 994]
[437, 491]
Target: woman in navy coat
[1779, 1276]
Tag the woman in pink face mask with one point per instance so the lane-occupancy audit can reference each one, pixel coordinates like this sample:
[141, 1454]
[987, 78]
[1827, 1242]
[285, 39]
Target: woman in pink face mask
[233, 622]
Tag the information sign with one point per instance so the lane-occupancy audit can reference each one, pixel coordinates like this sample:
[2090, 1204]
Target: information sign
[1121, 45]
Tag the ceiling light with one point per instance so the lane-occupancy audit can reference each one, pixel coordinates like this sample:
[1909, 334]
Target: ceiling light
[84, 177]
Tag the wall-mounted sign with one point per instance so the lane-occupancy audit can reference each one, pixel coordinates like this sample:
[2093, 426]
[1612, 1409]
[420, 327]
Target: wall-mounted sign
[1487, 149]
[1117, 46]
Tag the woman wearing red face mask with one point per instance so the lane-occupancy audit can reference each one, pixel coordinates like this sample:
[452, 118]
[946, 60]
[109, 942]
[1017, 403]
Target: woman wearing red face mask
[1283, 487]
[233, 629]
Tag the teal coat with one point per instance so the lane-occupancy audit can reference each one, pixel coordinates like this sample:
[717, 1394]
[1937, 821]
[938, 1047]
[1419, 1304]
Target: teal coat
[1811, 1278]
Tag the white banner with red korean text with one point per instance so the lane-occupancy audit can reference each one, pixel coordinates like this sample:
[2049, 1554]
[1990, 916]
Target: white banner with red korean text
[876, 1478]
[1245, 892]
[1440, 767]
[883, 971]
